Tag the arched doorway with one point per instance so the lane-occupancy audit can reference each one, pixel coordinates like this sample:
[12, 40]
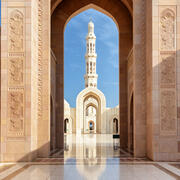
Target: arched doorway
[59, 21]
[91, 126]
[132, 124]
[91, 118]
[115, 126]
[67, 9]
[66, 125]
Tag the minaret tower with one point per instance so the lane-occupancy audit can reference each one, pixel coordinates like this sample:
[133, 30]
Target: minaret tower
[91, 76]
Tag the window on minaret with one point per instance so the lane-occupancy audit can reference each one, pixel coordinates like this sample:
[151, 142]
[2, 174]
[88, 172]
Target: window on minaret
[91, 67]
[87, 68]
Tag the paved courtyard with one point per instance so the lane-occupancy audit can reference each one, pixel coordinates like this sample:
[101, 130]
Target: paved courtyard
[91, 156]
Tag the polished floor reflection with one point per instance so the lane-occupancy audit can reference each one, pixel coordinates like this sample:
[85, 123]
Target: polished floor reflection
[91, 157]
[92, 146]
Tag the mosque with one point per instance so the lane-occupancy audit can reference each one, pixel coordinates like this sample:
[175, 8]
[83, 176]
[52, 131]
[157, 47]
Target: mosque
[32, 91]
[91, 114]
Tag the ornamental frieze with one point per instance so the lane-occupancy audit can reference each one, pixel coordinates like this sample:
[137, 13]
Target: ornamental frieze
[15, 71]
[167, 30]
[16, 28]
[15, 112]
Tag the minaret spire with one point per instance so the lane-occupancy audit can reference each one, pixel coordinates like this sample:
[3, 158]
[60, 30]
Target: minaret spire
[91, 76]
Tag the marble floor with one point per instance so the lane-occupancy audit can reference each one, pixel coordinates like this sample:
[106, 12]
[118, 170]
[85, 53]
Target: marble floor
[91, 157]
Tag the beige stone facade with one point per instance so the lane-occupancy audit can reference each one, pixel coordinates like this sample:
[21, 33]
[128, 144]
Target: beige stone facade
[149, 122]
[104, 123]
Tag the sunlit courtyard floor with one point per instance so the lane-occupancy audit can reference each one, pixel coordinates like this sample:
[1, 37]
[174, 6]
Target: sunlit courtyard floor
[91, 156]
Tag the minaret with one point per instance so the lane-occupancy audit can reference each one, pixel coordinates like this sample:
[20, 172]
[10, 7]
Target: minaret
[91, 76]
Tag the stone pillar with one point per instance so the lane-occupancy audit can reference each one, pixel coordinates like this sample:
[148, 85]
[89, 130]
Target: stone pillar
[57, 44]
[139, 63]
[44, 56]
[165, 45]
[59, 91]
[123, 97]
[124, 36]
[21, 52]
[16, 81]
[149, 82]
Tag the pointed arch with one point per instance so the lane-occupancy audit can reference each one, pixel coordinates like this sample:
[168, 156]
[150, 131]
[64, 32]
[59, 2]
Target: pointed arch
[116, 10]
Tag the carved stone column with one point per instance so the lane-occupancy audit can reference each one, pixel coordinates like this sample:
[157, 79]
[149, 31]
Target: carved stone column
[43, 78]
[25, 80]
[14, 82]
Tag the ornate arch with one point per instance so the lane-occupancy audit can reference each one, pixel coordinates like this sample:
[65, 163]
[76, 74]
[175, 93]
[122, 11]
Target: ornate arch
[116, 10]
[82, 96]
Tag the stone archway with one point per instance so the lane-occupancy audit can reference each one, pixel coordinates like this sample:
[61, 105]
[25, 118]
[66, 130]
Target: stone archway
[91, 116]
[33, 93]
[66, 124]
[87, 97]
[62, 14]
[25, 74]
[91, 126]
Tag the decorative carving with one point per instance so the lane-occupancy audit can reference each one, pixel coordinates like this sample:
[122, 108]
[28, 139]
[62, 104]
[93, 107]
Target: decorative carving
[167, 30]
[40, 68]
[16, 111]
[15, 71]
[16, 28]
[91, 100]
[168, 69]
[168, 107]
[168, 111]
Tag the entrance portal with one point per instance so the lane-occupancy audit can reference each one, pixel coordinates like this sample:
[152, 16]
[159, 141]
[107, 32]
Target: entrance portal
[91, 126]
[115, 126]
[57, 39]
[66, 124]
[91, 95]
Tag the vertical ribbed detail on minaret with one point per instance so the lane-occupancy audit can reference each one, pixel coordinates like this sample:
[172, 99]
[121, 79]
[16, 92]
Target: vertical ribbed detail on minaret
[91, 76]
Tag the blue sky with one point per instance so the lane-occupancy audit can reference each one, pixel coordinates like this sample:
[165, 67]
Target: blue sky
[107, 56]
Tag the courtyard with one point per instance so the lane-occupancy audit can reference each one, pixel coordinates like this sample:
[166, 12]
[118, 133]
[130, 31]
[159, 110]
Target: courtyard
[91, 156]
[134, 46]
